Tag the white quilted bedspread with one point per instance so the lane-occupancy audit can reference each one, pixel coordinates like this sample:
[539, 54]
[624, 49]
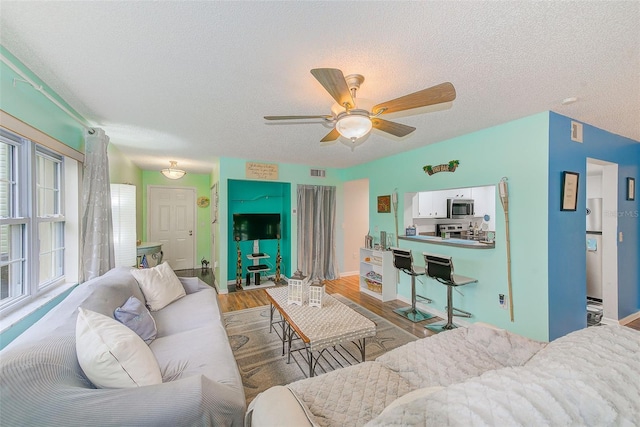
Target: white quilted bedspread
[355, 395]
[590, 377]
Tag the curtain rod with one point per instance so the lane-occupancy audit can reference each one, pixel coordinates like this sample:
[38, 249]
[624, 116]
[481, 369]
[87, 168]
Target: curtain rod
[40, 89]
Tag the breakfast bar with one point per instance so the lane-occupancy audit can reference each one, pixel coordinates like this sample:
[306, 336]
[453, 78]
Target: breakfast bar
[460, 243]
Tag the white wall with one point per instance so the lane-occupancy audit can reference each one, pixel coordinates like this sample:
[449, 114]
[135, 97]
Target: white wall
[356, 222]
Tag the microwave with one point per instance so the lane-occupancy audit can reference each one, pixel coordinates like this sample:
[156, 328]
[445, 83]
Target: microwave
[460, 208]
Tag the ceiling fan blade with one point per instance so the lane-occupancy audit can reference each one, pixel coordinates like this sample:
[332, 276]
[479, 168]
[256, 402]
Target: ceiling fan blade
[331, 136]
[443, 92]
[297, 117]
[333, 81]
[393, 128]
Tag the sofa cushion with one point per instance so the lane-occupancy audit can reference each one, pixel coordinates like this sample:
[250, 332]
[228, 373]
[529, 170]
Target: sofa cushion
[134, 315]
[160, 285]
[112, 355]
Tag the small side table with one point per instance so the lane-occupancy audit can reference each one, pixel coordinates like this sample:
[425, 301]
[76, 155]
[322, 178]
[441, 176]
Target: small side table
[149, 248]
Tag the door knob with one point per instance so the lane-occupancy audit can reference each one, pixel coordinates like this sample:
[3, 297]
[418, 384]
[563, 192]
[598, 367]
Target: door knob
[190, 232]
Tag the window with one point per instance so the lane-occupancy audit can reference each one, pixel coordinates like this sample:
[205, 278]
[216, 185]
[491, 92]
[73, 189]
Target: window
[32, 221]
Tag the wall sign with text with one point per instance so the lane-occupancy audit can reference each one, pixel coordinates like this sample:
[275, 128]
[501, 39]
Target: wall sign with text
[265, 171]
[445, 167]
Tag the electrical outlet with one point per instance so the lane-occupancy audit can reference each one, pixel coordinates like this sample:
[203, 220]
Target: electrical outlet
[503, 301]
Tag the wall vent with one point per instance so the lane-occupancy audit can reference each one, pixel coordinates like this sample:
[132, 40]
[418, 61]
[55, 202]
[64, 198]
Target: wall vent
[576, 131]
[321, 173]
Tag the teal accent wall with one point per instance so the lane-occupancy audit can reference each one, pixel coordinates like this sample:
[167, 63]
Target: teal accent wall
[567, 255]
[292, 174]
[22, 101]
[202, 184]
[249, 196]
[518, 150]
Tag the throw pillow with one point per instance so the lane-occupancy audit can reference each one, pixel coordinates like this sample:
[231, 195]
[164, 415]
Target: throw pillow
[112, 355]
[160, 285]
[134, 315]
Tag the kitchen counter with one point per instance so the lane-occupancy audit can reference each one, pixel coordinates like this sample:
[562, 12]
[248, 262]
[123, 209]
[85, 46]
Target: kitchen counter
[460, 243]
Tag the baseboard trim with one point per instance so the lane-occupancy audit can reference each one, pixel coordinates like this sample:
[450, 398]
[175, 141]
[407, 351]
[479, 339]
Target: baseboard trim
[349, 273]
[626, 320]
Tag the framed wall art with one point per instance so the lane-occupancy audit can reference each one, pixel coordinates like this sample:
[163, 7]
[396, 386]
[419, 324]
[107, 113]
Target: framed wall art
[569, 200]
[384, 204]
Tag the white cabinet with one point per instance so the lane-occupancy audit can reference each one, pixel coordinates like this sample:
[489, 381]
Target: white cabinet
[378, 276]
[431, 205]
[439, 204]
[484, 200]
[425, 201]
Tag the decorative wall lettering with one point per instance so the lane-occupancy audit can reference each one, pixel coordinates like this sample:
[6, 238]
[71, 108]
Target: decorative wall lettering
[445, 167]
[264, 171]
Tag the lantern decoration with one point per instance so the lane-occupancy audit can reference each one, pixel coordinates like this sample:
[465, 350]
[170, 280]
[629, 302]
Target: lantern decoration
[316, 292]
[295, 288]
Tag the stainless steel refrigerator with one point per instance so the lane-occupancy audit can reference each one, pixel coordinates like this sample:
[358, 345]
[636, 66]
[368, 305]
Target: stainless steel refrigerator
[594, 248]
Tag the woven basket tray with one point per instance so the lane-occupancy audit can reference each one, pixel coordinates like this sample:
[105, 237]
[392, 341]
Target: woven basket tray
[373, 286]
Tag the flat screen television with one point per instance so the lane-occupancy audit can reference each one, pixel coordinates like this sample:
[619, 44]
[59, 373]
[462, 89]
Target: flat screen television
[256, 226]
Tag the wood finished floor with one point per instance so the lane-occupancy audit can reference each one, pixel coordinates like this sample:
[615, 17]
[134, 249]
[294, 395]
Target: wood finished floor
[348, 287]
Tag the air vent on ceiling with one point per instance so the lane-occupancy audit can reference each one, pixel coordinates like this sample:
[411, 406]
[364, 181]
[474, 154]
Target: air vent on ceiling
[321, 173]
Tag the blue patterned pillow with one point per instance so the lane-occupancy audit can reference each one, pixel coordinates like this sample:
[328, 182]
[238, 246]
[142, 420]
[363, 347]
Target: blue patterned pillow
[136, 316]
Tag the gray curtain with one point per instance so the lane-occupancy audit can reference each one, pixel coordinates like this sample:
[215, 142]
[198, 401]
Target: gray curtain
[316, 231]
[97, 254]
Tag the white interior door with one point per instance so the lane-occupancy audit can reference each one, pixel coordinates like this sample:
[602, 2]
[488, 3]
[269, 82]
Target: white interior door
[171, 221]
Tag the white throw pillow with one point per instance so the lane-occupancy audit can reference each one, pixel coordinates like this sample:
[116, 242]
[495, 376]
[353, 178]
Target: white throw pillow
[112, 355]
[160, 285]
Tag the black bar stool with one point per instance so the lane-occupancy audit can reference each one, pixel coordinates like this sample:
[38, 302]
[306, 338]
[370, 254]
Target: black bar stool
[403, 261]
[440, 267]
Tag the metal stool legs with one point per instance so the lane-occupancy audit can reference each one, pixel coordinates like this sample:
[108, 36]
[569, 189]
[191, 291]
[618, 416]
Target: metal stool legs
[448, 325]
[412, 313]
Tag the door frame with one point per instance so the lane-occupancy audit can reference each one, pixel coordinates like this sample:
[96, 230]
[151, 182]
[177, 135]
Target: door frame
[195, 214]
[609, 239]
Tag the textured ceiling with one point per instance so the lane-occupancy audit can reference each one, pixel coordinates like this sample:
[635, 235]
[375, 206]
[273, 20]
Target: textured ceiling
[189, 81]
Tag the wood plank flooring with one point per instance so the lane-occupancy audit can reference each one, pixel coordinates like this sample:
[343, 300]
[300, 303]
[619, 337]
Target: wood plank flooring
[348, 287]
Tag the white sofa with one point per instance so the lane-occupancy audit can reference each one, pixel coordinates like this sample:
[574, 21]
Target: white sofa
[472, 376]
[42, 382]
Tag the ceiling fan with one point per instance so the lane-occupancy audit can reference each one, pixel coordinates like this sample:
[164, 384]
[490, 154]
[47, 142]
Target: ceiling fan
[354, 119]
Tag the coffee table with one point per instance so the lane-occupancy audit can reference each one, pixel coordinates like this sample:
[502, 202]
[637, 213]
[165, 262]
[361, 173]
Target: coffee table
[318, 328]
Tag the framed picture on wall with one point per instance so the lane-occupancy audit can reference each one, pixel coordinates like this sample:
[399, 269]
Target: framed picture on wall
[631, 188]
[384, 204]
[569, 200]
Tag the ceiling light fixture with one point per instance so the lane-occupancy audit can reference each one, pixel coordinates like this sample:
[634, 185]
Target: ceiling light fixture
[172, 172]
[353, 124]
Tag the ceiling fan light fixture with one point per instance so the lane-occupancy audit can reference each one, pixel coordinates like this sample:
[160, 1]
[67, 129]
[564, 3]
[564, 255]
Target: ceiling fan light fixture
[172, 172]
[354, 124]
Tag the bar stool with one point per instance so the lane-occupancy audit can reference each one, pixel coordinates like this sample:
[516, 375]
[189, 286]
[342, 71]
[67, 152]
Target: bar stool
[440, 268]
[403, 261]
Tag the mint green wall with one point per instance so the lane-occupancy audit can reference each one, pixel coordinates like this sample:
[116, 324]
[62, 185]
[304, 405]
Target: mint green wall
[234, 168]
[517, 150]
[29, 105]
[202, 184]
